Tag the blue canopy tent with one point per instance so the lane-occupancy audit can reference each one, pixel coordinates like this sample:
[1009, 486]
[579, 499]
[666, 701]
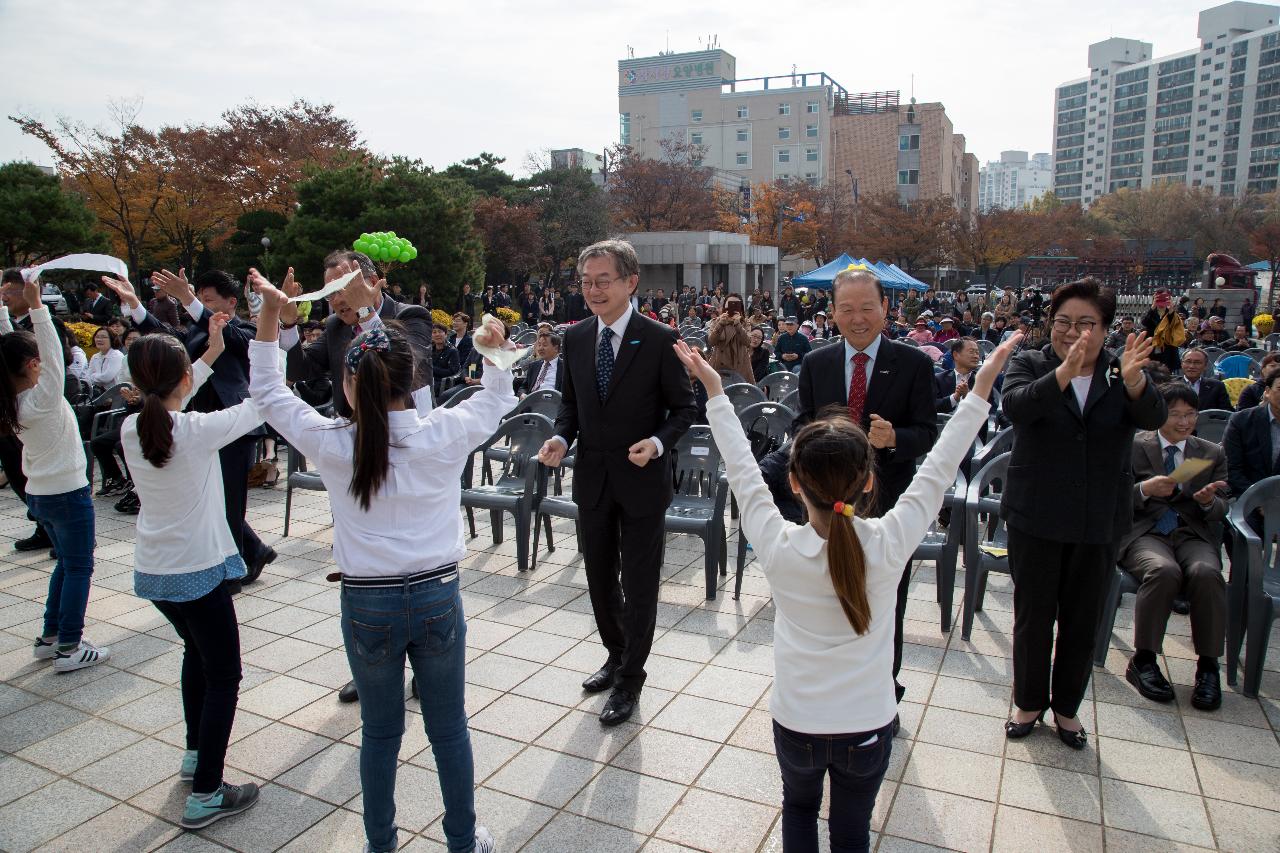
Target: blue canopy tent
[889, 275]
[823, 275]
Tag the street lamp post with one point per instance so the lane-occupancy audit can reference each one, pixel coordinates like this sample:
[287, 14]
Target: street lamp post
[266, 255]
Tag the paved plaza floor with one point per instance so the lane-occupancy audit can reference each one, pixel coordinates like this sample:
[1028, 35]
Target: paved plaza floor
[89, 760]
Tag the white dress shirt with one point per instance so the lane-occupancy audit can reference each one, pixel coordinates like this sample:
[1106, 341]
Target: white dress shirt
[828, 679]
[548, 379]
[872, 350]
[182, 526]
[414, 523]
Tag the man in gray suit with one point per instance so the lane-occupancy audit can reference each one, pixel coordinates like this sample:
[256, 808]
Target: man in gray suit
[1174, 548]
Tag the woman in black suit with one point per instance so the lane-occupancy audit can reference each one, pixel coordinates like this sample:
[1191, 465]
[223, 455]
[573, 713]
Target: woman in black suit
[1069, 496]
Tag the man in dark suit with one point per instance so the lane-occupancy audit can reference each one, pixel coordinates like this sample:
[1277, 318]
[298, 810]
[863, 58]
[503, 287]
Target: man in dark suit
[1211, 392]
[11, 294]
[1252, 439]
[627, 400]
[1174, 549]
[546, 373]
[214, 292]
[326, 356]
[884, 386]
[575, 306]
[951, 386]
[96, 308]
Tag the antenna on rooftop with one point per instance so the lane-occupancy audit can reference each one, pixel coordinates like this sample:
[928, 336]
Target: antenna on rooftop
[631, 52]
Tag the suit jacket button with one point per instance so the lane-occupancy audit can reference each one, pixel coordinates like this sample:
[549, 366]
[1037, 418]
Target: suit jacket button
[1079, 436]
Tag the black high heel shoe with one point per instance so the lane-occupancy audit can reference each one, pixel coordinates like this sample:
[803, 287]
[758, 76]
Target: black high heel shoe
[1014, 730]
[1076, 740]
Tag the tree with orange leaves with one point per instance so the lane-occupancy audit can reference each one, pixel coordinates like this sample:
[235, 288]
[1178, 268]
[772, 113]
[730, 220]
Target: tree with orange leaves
[784, 213]
[672, 193]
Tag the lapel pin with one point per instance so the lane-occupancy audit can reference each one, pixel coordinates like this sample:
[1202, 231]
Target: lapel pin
[633, 342]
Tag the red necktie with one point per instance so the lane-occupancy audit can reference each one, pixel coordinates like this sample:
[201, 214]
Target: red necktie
[542, 375]
[858, 386]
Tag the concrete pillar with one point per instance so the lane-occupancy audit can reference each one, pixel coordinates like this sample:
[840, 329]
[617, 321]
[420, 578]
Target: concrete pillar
[771, 281]
[693, 276]
[737, 282]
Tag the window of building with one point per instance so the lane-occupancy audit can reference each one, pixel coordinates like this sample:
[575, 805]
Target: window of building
[742, 112]
[811, 155]
[784, 109]
[908, 177]
[696, 116]
[624, 128]
[742, 134]
[784, 133]
[812, 178]
[784, 155]
[811, 131]
[811, 107]
[742, 158]
[909, 142]
[695, 138]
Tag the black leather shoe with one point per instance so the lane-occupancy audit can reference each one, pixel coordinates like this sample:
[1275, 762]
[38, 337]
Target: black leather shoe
[602, 679]
[1014, 730]
[897, 724]
[268, 555]
[1149, 681]
[413, 687]
[37, 541]
[1075, 740]
[234, 587]
[348, 693]
[619, 708]
[1207, 695]
[1181, 606]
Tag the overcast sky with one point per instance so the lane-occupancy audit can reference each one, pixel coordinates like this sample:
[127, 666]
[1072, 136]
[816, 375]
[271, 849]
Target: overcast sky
[442, 81]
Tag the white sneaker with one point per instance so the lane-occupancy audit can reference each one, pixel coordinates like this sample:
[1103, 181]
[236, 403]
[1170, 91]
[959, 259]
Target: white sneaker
[86, 654]
[45, 647]
[484, 841]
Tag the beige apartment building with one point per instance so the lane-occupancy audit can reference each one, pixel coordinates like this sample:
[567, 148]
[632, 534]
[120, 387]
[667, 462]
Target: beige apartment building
[801, 126]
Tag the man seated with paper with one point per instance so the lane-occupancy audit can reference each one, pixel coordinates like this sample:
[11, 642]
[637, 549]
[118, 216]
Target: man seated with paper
[1174, 547]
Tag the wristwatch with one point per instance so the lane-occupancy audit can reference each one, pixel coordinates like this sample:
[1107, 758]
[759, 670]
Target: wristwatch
[363, 313]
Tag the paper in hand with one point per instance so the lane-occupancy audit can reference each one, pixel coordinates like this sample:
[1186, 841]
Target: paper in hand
[503, 359]
[328, 290]
[81, 261]
[1188, 470]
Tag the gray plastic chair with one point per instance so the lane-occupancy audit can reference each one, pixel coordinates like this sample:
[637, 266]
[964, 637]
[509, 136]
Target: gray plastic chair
[742, 394]
[1122, 583]
[792, 400]
[983, 527]
[1255, 581]
[942, 545]
[779, 384]
[1211, 424]
[557, 506]
[521, 484]
[701, 493]
[545, 402]
[777, 420]
[469, 391]
[1001, 442]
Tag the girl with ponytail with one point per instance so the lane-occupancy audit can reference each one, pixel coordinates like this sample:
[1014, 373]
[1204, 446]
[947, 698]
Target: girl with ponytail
[32, 407]
[834, 583]
[393, 478]
[184, 554]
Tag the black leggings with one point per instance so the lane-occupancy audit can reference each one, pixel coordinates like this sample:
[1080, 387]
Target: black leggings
[210, 677]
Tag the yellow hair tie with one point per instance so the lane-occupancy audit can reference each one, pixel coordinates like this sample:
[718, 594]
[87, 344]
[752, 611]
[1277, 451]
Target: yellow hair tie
[857, 268]
[842, 508]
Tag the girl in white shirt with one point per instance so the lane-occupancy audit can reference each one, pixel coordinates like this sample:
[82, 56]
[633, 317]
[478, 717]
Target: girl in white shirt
[834, 583]
[184, 553]
[104, 365]
[393, 478]
[32, 407]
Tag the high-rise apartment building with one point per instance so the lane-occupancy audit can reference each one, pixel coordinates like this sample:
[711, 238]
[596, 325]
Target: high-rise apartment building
[800, 126]
[1015, 180]
[1206, 118]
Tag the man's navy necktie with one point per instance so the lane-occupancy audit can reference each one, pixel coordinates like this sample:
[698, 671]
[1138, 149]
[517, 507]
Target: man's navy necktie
[1168, 521]
[604, 363]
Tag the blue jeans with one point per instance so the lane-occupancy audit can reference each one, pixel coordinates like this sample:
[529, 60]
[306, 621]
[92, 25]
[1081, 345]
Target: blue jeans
[857, 768]
[424, 622]
[68, 518]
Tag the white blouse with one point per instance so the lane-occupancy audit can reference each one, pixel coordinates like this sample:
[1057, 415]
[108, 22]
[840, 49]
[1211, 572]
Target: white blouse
[414, 522]
[104, 370]
[829, 680]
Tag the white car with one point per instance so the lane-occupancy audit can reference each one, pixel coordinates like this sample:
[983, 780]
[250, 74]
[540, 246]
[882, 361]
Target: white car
[51, 296]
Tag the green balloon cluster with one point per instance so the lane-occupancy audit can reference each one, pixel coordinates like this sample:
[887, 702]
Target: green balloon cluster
[385, 246]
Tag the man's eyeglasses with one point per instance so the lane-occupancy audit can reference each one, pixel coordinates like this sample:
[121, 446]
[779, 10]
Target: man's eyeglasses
[598, 284]
[1063, 325]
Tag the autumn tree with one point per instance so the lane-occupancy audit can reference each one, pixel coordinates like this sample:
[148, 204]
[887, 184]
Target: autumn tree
[40, 219]
[512, 238]
[1264, 237]
[784, 214]
[119, 173]
[573, 214]
[914, 235]
[195, 212]
[989, 242]
[671, 193]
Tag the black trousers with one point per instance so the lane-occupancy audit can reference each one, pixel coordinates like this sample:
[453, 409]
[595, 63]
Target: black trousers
[237, 459]
[1064, 582]
[104, 449]
[885, 502]
[623, 555]
[210, 677]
